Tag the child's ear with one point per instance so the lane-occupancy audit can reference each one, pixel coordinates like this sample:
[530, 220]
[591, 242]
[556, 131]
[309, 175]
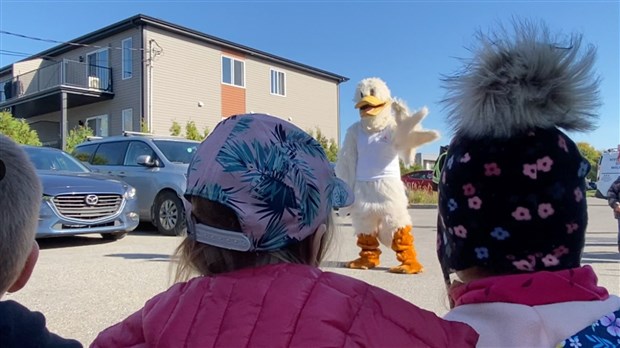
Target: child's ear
[26, 272]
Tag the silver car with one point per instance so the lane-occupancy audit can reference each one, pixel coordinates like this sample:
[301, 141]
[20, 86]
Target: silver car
[155, 165]
[77, 201]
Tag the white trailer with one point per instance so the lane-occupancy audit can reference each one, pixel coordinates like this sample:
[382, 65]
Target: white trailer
[608, 171]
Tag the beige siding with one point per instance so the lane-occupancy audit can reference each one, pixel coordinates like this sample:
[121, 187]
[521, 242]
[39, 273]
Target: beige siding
[185, 75]
[310, 101]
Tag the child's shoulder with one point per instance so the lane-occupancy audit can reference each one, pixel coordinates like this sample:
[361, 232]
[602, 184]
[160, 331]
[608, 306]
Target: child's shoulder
[21, 327]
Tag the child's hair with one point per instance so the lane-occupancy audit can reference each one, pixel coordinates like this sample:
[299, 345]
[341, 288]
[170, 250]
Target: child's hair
[258, 189]
[512, 192]
[20, 191]
[195, 258]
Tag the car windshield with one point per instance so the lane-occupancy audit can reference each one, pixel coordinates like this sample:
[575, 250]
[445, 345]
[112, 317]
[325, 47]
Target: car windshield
[177, 151]
[52, 159]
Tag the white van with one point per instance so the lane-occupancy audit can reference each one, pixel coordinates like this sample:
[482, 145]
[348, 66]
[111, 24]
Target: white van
[608, 171]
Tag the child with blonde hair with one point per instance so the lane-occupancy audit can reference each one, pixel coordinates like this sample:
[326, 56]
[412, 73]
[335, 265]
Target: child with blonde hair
[259, 200]
[20, 197]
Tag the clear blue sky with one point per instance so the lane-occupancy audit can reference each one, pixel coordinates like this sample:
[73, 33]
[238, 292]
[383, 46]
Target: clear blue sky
[409, 44]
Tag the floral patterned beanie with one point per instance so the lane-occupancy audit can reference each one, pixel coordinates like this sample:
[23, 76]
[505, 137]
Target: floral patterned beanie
[512, 191]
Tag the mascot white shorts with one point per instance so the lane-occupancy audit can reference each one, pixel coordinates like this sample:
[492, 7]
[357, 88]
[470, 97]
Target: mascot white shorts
[380, 208]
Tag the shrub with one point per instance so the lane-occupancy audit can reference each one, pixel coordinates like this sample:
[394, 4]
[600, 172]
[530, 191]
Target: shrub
[191, 131]
[18, 130]
[76, 136]
[175, 129]
[420, 195]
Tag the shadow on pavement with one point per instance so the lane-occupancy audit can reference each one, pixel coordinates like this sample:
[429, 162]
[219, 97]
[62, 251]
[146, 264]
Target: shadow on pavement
[72, 241]
[149, 257]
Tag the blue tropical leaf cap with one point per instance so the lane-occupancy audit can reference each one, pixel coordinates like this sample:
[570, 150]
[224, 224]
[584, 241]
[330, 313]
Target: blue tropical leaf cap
[275, 176]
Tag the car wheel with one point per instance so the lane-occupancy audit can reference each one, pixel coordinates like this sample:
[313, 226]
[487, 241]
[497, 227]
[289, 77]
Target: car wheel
[169, 215]
[114, 235]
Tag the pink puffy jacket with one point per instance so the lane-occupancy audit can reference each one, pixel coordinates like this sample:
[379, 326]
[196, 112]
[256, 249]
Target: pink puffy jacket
[282, 305]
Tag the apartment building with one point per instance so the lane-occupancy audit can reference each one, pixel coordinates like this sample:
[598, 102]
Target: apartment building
[144, 72]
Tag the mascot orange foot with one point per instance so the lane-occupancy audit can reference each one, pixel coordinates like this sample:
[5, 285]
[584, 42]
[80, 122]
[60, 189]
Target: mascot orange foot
[402, 244]
[369, 256]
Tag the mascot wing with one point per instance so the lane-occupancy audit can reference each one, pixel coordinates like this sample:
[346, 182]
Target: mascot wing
[409, 134]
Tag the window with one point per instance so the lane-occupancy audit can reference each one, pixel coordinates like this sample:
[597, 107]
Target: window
[127, 115]
[110, 154]
[84, 153]
[127, 58]
[233, 72]
[99, 125]
[98, 69]
[278, 83]
[135, 150]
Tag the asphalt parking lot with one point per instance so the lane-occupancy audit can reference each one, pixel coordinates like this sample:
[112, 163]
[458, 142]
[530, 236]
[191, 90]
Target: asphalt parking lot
[84, 284]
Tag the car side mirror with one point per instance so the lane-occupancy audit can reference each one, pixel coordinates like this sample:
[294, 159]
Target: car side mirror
[147, 161]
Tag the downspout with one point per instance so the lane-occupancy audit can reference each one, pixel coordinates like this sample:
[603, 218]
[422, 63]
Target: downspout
[142, 29]
[150, 88]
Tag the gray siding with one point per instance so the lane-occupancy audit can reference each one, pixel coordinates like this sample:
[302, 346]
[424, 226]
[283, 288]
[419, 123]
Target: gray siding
[127, 93]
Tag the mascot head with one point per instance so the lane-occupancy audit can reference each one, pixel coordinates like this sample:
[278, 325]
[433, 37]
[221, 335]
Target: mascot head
[373, 99]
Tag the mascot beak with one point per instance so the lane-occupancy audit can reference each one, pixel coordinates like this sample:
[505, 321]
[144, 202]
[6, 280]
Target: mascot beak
[370, 106]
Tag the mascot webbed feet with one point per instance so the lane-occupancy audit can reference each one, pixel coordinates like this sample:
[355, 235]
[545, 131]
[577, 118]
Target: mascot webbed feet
[402, 244]
[369, 256]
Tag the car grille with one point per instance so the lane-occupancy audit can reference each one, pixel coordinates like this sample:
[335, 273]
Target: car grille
[77, 207]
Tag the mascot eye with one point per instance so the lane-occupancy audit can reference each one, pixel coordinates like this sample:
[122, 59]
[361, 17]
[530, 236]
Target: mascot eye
[362, 95]
[372, 92]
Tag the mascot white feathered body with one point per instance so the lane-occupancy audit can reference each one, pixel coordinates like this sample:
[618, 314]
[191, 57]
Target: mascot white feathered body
[368, 162]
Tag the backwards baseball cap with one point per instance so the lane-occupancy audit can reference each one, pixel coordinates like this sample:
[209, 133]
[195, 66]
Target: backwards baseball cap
[512, 191]
[273, 175]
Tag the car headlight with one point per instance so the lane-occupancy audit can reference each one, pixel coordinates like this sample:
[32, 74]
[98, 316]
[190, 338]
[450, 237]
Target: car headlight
[130, 193]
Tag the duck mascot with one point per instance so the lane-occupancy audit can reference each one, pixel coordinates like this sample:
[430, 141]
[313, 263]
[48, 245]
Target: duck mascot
[368, 162]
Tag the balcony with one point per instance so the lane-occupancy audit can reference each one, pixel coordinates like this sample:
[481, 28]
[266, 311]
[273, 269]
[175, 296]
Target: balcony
[38, 92]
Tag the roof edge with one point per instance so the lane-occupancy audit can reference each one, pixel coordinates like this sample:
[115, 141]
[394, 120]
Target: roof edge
[141, 19]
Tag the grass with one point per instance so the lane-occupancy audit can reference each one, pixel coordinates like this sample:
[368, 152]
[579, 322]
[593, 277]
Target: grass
[419, 195]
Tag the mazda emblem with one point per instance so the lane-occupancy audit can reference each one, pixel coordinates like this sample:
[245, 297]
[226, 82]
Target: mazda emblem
[91, 199]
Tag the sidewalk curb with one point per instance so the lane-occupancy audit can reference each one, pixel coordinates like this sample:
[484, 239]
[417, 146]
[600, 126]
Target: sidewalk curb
[422, 206]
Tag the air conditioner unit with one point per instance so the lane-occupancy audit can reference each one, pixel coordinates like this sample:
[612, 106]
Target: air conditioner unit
[93, 82]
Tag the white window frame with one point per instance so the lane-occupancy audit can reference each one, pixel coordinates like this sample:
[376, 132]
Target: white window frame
[96, 83]
[127, 116]
[276, 84]
[127, 55]
[232, 72]
[103, 125]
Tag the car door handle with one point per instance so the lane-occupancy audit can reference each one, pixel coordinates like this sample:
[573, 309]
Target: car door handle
[122, 174]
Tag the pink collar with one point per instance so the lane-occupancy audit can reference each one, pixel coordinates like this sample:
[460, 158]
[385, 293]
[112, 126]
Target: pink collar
[532, 289]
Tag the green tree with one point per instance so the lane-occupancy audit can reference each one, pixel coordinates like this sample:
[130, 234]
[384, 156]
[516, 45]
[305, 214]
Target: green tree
[191, 131]
[18, 130]
[76, 136]
[175, 129]
[408, 169]
[329, 145]
[592, 155]
[206, 132]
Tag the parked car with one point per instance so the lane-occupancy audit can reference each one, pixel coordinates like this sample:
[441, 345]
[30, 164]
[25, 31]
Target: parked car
[77, 201]
[419, 179]
[155, 165]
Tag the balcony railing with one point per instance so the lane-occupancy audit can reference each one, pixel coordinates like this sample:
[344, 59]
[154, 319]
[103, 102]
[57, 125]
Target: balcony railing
[68, 73]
